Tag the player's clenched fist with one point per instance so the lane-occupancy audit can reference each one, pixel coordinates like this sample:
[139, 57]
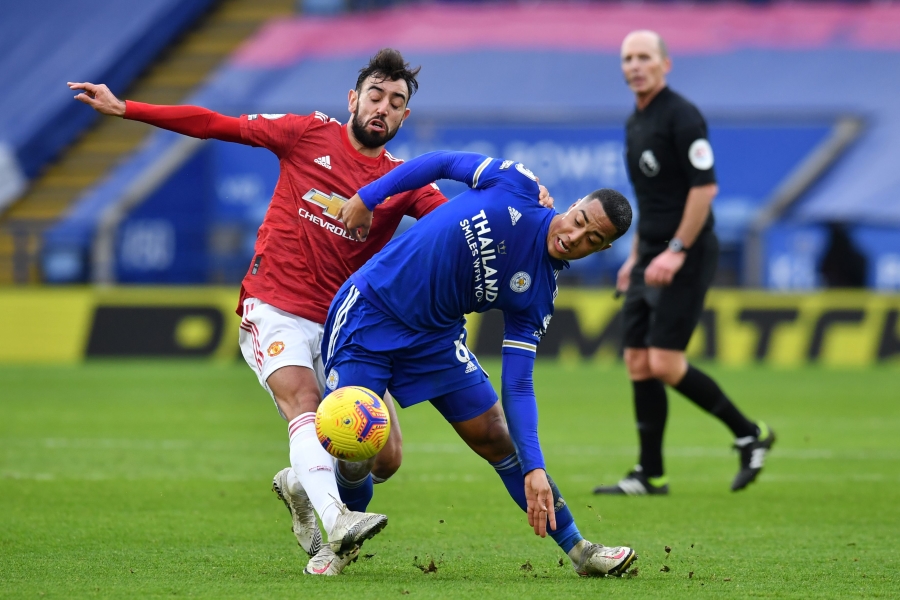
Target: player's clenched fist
[98, 97]
[357, 219]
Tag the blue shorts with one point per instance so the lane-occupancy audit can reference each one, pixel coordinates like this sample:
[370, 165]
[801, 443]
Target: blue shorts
[363, 345]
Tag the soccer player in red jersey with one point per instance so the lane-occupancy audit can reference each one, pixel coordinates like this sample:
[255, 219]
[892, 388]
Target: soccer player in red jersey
[302, 257]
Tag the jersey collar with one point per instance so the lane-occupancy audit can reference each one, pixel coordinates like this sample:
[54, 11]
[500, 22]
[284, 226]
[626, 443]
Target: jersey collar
[345, 138]
[663, 92]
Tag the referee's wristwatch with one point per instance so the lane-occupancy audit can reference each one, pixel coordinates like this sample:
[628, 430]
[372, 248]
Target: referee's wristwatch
[676, 245]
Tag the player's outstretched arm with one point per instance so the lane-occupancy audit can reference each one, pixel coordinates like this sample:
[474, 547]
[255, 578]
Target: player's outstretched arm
[422, 170]
[520, 408]
[356, 214]
[193, 121]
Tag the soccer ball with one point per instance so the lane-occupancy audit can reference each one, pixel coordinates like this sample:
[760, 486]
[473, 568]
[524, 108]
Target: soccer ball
[353, 423]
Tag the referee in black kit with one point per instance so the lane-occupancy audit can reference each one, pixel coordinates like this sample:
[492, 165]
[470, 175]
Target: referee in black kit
[670, 268]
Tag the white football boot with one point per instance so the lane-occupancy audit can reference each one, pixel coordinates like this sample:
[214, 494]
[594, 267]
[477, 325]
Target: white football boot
[352, 528]
[597, 560]
[327, 563]
[303, 515]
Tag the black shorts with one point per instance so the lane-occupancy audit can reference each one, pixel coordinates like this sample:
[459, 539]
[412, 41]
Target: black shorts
[666, 317]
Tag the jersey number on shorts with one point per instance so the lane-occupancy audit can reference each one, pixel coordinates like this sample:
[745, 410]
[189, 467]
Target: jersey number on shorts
[462, 353]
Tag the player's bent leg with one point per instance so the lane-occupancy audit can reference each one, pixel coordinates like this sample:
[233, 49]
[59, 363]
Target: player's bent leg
[349, 364]
[752, 440]
[487, 434]
[588, 559]
[355, 479]
[280, 348]
[651, 412]
[389, 459]
[296, 392]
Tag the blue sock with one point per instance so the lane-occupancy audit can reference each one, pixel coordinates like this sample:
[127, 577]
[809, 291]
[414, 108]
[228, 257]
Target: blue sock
[355, 494]
[566, 534]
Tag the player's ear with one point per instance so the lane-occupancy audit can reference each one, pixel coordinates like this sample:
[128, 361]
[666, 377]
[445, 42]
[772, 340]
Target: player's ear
[405, 115]
[352, 99]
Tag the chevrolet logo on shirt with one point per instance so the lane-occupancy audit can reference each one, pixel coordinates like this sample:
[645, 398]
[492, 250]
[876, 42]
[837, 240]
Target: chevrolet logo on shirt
[332, 203]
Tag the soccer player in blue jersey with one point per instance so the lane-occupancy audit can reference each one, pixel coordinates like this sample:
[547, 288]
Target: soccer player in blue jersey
[398, 323]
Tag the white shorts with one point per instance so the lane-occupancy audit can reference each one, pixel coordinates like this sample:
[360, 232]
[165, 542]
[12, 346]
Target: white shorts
[271, 338]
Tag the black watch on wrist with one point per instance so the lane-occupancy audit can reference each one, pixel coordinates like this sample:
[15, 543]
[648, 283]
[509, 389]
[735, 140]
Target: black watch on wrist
[676, 245]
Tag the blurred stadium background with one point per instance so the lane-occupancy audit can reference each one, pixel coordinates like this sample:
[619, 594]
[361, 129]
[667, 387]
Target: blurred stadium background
[801, 100]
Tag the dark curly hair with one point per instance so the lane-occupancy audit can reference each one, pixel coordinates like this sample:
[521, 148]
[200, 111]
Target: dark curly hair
[388, 64]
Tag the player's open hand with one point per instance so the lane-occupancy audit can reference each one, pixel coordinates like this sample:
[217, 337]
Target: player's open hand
[357, 219]
[539, 498]
[544, 197]
[99, 98]
[662, 269]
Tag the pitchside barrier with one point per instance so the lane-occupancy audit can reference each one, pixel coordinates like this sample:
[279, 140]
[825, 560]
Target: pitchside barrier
[837, 328]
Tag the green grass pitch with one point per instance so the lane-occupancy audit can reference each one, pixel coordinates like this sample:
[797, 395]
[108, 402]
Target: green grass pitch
[153, 480]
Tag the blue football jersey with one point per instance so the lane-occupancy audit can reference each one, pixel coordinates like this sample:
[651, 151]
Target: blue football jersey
[486, 249]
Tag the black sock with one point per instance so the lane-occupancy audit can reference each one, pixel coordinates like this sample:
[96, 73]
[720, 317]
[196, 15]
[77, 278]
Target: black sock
[651, 408]
[706, 393]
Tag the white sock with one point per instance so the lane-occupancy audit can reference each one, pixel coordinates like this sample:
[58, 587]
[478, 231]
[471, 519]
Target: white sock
[314, 468]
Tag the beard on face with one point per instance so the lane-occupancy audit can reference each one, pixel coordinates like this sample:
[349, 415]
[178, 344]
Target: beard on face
[367, 138]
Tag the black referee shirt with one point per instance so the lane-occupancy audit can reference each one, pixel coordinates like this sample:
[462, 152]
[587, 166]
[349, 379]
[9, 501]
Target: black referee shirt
[667, 154]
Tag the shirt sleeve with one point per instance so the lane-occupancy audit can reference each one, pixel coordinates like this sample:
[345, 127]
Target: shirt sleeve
[422, 170]
[278, 133]
[425, 200]
[522, 333]
[512, 176]
[193, 121]
[695, 154]
[520, 408]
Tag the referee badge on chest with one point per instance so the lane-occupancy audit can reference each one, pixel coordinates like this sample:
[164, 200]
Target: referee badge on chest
[520, 282]
[648, 163]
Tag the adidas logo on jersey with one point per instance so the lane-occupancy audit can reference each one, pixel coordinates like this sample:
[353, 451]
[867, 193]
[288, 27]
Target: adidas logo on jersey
[514, 215]
[470, 367]
[324, 161]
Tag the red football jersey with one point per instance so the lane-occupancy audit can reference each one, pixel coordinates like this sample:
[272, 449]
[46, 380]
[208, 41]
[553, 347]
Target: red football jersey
[303, 253]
